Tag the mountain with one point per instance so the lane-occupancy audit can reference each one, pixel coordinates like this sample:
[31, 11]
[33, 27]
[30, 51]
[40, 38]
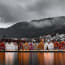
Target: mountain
[35, 28]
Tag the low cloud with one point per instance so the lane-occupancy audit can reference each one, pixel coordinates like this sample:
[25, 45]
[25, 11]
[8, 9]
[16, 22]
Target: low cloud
[25, 10]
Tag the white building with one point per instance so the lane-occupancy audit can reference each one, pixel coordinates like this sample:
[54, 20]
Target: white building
[11, 46]
[48, 46]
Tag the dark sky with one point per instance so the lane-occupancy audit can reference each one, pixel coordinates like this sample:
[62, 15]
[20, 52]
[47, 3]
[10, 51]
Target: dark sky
[12, 11]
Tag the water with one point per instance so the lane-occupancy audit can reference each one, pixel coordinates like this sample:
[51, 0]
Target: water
[32, 58]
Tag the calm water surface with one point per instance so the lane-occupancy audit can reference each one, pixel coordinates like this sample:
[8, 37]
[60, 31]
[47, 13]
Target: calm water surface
[32, 58]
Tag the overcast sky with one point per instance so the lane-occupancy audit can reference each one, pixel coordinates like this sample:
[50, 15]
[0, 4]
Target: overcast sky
[12, 11]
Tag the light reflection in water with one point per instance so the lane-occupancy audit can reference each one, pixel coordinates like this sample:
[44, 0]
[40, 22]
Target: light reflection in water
[48, 58]
[36, 58]
[10, 58]
[2, 58]
[41, 58]
[31, 58]
[23, 58]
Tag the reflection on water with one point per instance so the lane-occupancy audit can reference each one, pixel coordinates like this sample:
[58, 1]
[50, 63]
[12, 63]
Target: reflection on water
[45, 58]
[41, 58]
[36, 58]
[32, 58]
[2, 58]
[48, 58]
[23, 58]
[10, 58]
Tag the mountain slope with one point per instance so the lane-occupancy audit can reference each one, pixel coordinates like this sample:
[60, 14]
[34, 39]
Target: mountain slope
[36, 28]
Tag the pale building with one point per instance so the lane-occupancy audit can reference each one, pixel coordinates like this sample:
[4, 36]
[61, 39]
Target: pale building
[48, 46]
[11, 47]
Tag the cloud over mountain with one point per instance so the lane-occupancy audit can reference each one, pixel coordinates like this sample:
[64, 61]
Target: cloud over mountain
[16, 10]
[35, 28]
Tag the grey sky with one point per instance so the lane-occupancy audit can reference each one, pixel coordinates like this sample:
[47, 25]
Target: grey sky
[12, 11]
